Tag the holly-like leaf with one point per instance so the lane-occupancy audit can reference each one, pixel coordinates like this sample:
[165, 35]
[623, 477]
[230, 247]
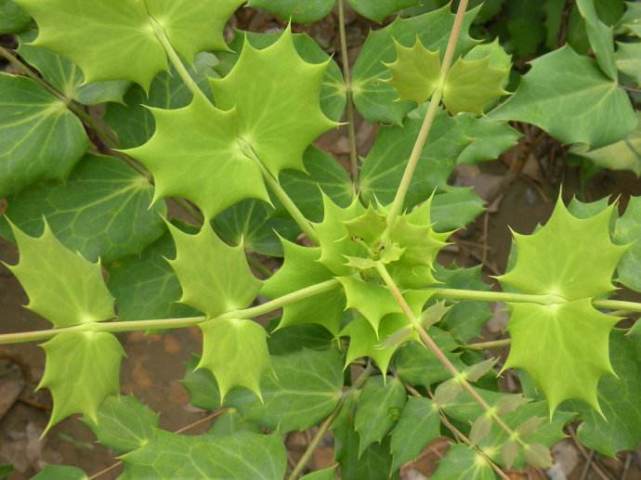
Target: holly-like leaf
[622, 155]
[123, 423]
[364, 341]
[302, 269]
[169, 456]
[299, 11]
[620, 426]
[13, 19]
[463, 463]
[418, 425]
[60, 472]
[39, 138]
[628, 60]
[455, 208]
[235, 351]
[81, 370]
[373, 301]
[333, 96]
[600, 37]
[384, 165]
[564, 84]
[415, 72]
[477, 80]
[267, 128]
[128, 29]
[214, 276]
[62, 286]
[374, 97]
[379, 408]
[101, 211]
[551, 261]
[628, 231]
[304, 388]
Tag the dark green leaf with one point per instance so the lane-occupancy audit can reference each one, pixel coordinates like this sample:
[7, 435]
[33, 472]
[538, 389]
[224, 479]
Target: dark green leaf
[418, 425]
[13, 19]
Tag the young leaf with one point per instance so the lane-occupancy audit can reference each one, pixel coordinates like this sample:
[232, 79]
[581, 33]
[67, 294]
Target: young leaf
[102, 210]
[60, 472]
[304, 388]
[551, 262]
[477, 80]
[379, 408]
[235, 351]
[39, 138]
[170, 456]
[82, 369]
[600, 36]
[302, 269]
[261, 129]
[564, 84]
[620, 426]
[622, 155]
[62, 286]
[120, 31]
[374, 97]
[463, 463]
[415, 72]
[123, 423]
[628, 231]
[214, 276]
[418, 425]
[371, 300]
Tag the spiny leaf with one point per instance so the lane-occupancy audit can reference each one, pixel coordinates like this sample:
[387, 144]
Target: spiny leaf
[463, 463]
[477, 80]
[82, 369]
[214, 276]
[371, 300]
[364, 341]
[235, 351]
[628, 231]
[415, 72]
[622, 155]
[564, 84]
[455, 208]
[418, 425]
[39, 138]
[551, 261]
[169, 456]
[123, 423]
[102, 210]
[302, 269]
[379, 407]
[374, 97]
[600, 36]
[62, 286]
[266, 128]
[120, 31]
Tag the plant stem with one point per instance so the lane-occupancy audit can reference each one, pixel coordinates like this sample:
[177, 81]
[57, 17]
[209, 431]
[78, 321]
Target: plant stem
[304, 460]
[428, 121]
[440, 355]
[171, 323]
[503, 342]
[175, 60]
[508, 297]
[349, 94]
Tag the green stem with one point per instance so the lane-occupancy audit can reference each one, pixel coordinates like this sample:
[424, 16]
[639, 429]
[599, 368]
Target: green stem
[171, 323]
[347, 77]
[432, 346]
[508, 297]
[175, 60]
[503, 342]
[428, 121]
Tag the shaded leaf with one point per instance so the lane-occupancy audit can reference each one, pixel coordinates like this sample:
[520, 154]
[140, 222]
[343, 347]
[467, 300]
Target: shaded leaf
[463, 463]
[628, 231]
[60, 472]
[418, 425]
